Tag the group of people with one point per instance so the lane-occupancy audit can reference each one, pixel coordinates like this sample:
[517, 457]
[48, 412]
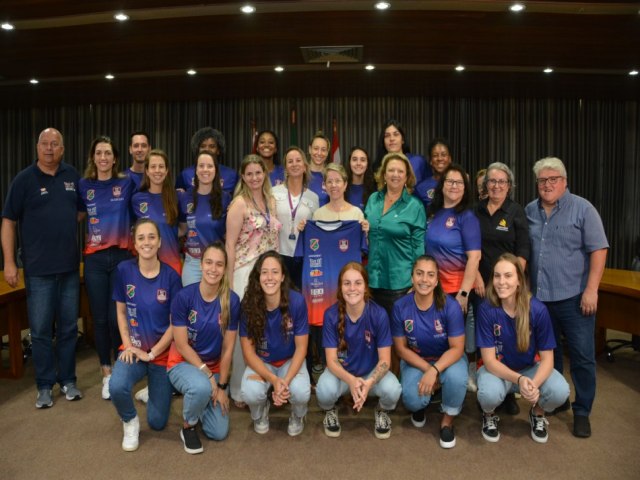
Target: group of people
[233, 286]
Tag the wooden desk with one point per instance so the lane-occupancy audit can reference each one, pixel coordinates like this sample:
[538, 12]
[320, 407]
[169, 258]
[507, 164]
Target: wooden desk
[618, 304]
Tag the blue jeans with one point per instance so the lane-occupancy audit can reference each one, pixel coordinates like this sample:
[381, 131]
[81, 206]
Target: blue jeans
[578, 330]
[99, 275]
[197, 405]
[454, 387]
[330, 388]
[191, 270]
[254, 392]
[492, 390]
[126, 375]
[53, 298]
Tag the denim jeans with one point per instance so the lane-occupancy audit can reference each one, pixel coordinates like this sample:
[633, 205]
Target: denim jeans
[578, 330]
[254, 392]
[330, 388]
[191, 270]
[126, 375]
[492, 390]
[53, 298]
[454, 387]
[99, 275]
[197, 405]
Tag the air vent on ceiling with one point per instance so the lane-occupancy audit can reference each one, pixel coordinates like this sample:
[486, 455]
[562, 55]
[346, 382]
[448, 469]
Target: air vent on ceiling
[332, 54]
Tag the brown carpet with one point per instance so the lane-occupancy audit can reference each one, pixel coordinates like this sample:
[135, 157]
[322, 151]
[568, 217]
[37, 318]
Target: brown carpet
[82, 440]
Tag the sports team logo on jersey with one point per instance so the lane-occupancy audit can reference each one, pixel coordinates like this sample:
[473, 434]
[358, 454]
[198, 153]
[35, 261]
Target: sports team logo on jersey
[193, 316]
[408, 326]
[131, 291]
[133, 322]
[315, 273]
[161, 295]
[190, 207]
[496, 329]
[437, 325]
[367, 337]
[117, 191]
[94, 220]
[502, 226]
[451, 221]
[315, 262]
[343, 244]
[91, 194]
[144, 206]
[43, 191]
[430, 193]
[222, 182]
[314, 244]
[70, 186]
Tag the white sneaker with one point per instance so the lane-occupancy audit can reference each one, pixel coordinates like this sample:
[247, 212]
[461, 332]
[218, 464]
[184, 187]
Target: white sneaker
[142, 395]
[261, 425]
[105, 388]
[472, 386]
[296, 425]
[131, 434]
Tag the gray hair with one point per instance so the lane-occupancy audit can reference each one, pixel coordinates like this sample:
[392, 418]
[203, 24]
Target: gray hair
[503, 168]
[551, 163]
[204, 133]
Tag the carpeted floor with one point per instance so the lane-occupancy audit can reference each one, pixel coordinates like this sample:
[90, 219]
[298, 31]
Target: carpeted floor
[81, 439]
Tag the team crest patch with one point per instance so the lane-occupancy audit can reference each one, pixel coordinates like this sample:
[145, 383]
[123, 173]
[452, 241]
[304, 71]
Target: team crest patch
[222, 182]
[91, 194]
[502, 226]
[220, 320]
[430, 193]
[437, 325]
[161, 295]
[496, 329]
[117, 191]
[314, 244]
[131, 291]
[189, 207]
[144, 206]
[367, 337]
[343, 244]
[451, 221]
[193, 316]
[43, 191]
[408, 326]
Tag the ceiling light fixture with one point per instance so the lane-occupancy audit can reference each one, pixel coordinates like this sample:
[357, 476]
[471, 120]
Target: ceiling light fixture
[191, 72]
[370, 67]
[517, 7]
[108, 76]
[7, 26]
[460, 68]
[248, 9]
[633, 73]
[121, 17]
[548, 70]
[279, 69]
[382, 5]
[34, 81]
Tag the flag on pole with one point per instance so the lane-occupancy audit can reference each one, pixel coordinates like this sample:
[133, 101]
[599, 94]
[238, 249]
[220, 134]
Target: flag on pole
[254, 136]
[293, 128]
[335, 145]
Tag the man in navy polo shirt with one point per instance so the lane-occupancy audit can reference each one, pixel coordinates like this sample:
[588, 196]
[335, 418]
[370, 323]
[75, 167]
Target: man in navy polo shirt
[43, 201]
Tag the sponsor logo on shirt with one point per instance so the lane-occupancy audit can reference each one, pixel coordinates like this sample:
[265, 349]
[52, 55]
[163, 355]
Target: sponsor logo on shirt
[131, 291]
[496, 330]
[315, 262]
[161, 295]
[92, 211]
[43, 191]
[133, 322]
[502, 226]
[408, 326]
[91, 194]
[193, 316]
[190, 207]
[315, 273]
[70, 186]
[94, 220]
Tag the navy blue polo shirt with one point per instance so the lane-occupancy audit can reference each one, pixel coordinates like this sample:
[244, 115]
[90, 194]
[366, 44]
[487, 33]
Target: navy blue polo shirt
[46, 209]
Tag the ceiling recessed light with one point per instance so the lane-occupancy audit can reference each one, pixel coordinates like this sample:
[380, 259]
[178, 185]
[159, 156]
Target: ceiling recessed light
[370, 67]
[279, 69]
[382, 5]
[108, 76]
[121, 17]
[248, 9]
[191, 72]
[633, 72]
[7, 26]
[460, 68]
[548, 70]
[34, 81]
[517, 7]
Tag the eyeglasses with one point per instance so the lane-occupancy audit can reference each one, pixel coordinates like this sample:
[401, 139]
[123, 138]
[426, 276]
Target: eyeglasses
[493, 182]
[552, 180]
[454, 183]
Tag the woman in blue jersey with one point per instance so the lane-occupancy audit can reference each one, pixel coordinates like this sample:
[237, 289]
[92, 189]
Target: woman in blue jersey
[205, 210]
[516, 340]
[274, 336]
[360, 180]
[267, 148]
[357, 343]
[440, 160]
[107, 196]
[204, 318]
[319, 149]
[158, 200]
[143, 291]
[428, 334]
[392, 139]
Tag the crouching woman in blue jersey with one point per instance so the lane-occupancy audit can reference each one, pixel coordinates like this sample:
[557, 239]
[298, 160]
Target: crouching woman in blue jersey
[357, 343]
[204, 317]
[428, 334]
[512, 330]
[143, 290]
[274, 334]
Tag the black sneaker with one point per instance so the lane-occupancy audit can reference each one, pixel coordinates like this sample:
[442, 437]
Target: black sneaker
[538, 427]
[419, 419]
[383, 424]
[331, 423]
[447, 437]
[191, 441]
[490, 430]
[562, 408]
[581, 426]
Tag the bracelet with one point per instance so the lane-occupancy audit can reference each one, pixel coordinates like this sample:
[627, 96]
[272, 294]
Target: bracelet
[437, 369]
[210, 375]
[152, 357]
[518, 381]
[202, 366]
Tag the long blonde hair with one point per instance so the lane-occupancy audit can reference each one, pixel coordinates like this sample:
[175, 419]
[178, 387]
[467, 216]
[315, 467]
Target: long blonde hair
[242, 189]
[224, 291]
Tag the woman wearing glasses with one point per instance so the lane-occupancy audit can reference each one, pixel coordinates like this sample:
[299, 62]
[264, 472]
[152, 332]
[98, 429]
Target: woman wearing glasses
[504, 229]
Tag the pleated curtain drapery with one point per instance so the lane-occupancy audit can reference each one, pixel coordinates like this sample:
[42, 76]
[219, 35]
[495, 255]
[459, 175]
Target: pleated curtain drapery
[597, 139]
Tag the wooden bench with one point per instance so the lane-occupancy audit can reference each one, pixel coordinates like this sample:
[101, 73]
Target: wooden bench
[618, 304]
[13, 320]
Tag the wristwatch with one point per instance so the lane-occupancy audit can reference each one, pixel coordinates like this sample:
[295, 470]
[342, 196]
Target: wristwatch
[463, 293]
[223, 386]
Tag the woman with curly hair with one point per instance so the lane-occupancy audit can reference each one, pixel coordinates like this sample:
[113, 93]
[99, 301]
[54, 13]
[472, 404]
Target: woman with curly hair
[274, 336]
[357, 343]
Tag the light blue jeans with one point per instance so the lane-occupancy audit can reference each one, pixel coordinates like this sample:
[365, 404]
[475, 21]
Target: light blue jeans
[330, 388]
[191, 270]
[454, 387]
[492, 390]
[254, 392]
[197, 405]
[125, 376]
